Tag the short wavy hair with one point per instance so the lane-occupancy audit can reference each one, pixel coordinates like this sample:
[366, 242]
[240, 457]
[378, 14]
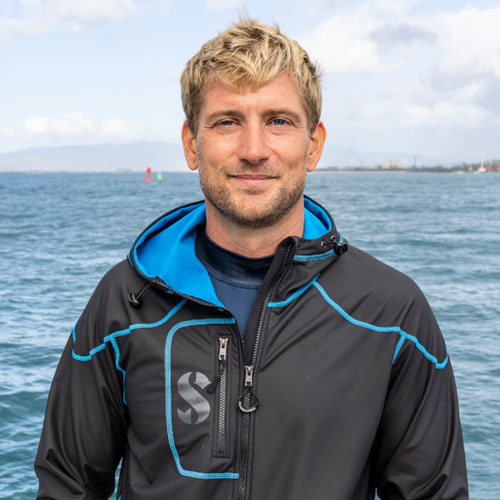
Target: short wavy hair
[251, 54]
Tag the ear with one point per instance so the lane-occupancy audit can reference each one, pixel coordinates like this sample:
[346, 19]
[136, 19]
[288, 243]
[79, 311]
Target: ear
[189, 145]
[316, 144]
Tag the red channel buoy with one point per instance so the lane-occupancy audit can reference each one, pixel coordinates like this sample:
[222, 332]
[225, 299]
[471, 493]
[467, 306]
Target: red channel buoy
[148, 177]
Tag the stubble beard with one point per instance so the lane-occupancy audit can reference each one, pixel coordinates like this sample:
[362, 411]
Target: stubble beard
[251, 217]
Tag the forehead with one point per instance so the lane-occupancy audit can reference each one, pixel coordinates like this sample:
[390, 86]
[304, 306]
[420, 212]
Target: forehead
[279, 92]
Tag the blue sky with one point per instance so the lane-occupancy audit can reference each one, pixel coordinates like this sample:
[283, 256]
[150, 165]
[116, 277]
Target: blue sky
[418, 77]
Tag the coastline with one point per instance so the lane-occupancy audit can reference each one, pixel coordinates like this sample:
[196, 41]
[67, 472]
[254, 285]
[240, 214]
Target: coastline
[359, 171]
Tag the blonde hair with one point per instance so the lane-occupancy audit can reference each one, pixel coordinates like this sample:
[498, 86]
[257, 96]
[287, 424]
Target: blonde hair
[251, 54]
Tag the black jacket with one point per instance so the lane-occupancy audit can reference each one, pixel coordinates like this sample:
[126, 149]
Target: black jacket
[343, 385]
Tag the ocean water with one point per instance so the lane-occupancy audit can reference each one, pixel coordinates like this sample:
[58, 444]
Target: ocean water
[59, 233]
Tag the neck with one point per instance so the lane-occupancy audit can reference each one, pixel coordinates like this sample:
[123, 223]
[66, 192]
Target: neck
[253, 242]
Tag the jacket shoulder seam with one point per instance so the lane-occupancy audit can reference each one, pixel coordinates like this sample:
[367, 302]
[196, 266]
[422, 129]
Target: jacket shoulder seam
[119, 333]
[383, 329]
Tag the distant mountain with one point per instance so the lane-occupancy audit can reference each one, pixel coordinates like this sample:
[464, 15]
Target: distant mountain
[98, 158]
[169, 157]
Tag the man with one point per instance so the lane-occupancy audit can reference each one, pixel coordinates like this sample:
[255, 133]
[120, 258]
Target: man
[241, 352]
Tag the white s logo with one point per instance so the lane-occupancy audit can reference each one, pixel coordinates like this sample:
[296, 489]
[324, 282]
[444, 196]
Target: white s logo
[200, 407]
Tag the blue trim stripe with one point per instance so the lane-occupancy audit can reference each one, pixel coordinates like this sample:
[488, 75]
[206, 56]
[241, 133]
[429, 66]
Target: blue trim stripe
[117, 364]
[294, 295]
[398, 348]
[168, 398]
[383, 329]
[127, 331]
[318, 256]
[88, 357]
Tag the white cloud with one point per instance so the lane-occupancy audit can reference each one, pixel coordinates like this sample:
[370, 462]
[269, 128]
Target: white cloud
[352, 41]
[464, 43]
[69, 125]
[429, 81]
[459, 115]
[36, 125]
[401, 35]
[41, 16]
[469, 43]
[80, 14]
[342, 45]
[11, 28]
[72, 125]
[424, 69]
[76, 128]
[8, 131]
[391, 9]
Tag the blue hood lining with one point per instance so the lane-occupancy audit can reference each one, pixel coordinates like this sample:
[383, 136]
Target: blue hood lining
[316, 220]
[167, 249]
[169, 254]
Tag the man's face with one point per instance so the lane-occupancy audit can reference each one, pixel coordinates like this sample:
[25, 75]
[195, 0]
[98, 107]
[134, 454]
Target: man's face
[252, 150]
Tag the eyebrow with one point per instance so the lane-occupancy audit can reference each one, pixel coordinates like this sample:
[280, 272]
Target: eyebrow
[224, 112]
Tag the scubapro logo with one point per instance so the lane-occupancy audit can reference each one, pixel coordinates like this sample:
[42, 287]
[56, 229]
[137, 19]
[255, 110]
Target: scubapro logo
[200, 407]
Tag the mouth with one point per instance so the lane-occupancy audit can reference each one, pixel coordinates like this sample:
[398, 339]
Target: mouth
[253, 180]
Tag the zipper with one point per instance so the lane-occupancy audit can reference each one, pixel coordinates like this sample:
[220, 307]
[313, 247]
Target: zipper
[248, 401]
[277, 276]
[221, 423]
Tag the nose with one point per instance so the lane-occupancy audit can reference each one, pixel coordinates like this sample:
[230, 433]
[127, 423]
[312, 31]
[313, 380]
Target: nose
[253, 144]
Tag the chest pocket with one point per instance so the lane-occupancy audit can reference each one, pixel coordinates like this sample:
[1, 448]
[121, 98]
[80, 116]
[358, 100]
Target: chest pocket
[201, 389]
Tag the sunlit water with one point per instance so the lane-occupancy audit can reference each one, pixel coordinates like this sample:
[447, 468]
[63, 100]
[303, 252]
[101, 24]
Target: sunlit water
[60, 232]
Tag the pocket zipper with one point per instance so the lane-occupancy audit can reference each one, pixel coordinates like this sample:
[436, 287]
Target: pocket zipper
[221, 381]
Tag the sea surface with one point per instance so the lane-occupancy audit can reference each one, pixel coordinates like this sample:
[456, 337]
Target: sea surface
[59, 233]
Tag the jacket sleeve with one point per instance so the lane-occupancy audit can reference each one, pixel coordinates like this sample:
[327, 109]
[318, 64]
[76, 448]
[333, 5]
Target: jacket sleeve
[84, 431]
[419, 450]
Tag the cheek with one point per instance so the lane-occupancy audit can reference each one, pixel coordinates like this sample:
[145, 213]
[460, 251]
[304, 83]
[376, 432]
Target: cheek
[216, 149]
[295, 157]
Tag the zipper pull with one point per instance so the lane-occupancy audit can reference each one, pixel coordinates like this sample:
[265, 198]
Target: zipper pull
[249, 376]
[212, 386]
[223, 341]
[248, 402]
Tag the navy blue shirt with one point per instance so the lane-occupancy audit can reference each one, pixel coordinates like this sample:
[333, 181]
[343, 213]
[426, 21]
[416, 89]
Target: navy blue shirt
[236, 279]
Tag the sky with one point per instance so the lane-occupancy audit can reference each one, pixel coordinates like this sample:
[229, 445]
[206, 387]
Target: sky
[413, 77]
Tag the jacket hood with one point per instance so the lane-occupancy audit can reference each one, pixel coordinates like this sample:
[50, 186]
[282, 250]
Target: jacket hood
[165, 251]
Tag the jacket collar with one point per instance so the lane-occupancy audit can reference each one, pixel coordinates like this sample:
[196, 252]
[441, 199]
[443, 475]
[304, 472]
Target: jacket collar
[165, 251]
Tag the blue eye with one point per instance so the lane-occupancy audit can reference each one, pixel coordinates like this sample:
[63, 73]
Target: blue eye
[279, 121]
[226, 123]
